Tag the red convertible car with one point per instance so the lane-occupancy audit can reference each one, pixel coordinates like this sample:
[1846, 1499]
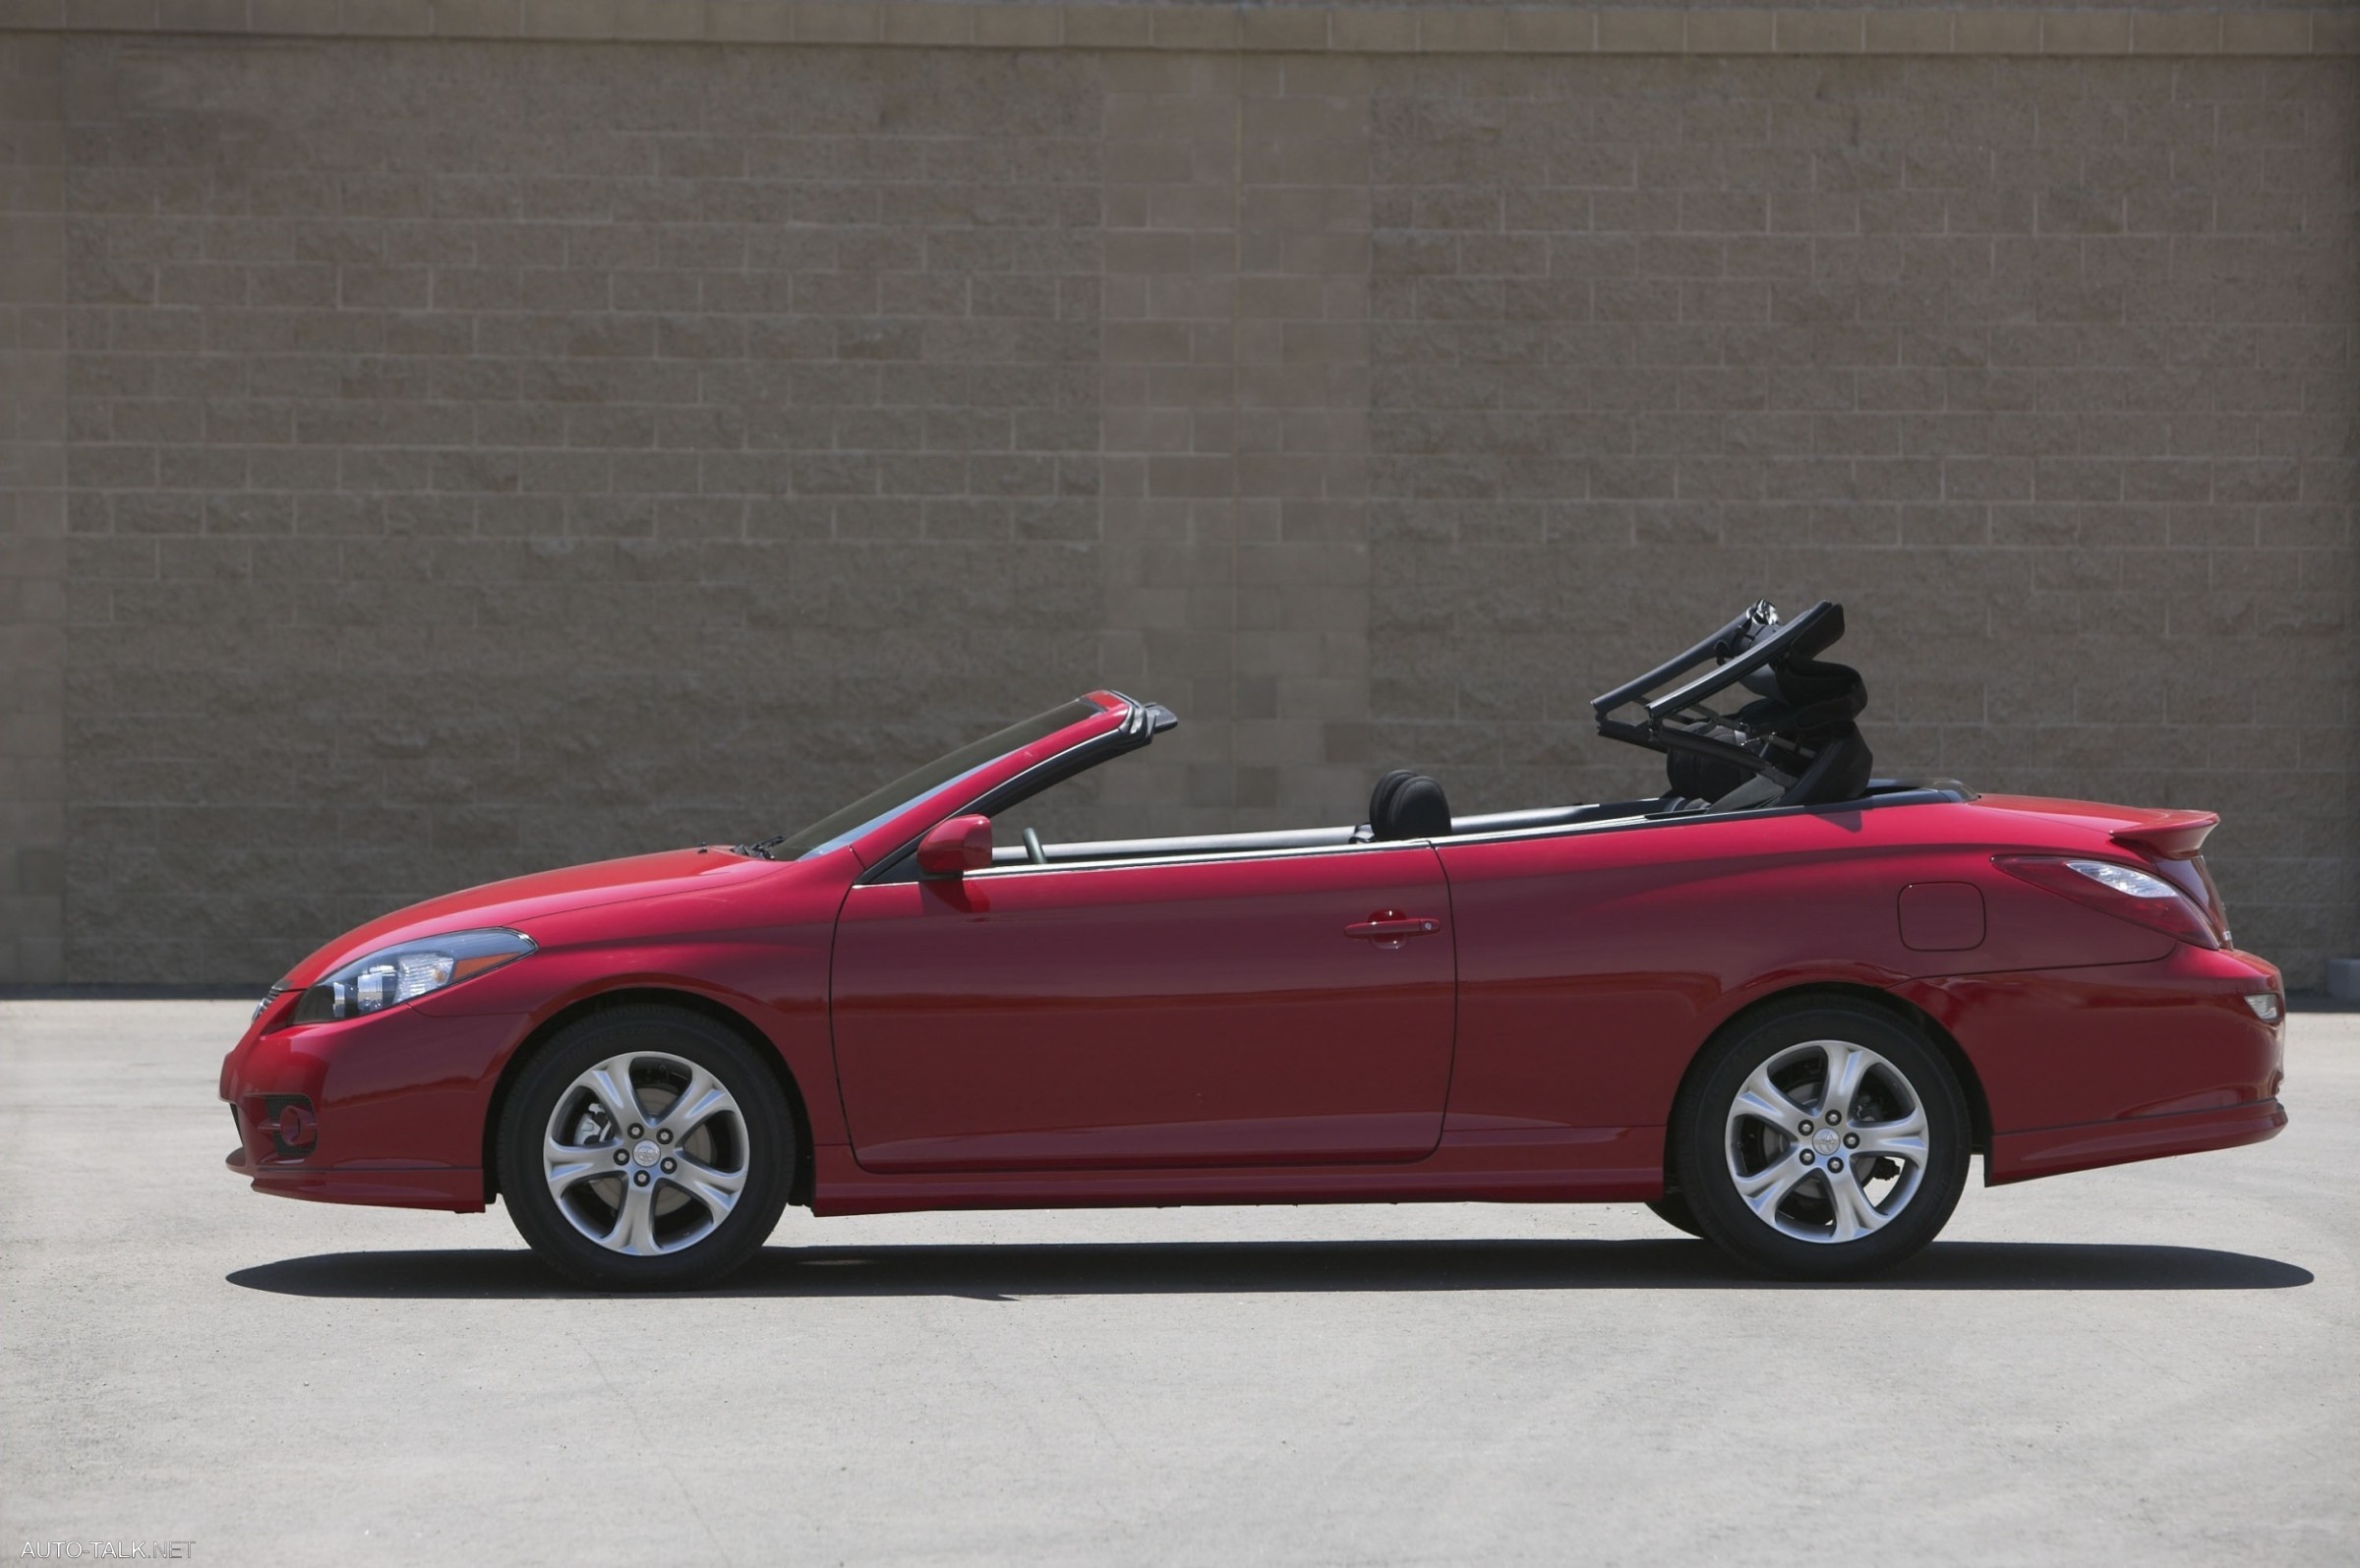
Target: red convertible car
[1782, 1002]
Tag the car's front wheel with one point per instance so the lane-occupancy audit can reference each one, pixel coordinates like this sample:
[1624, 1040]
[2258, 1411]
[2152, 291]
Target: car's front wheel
[646, 1148]
[1672, 1211]
[1822, 1140]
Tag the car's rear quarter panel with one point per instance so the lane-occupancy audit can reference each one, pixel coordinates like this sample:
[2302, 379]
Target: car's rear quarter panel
[1593, 966]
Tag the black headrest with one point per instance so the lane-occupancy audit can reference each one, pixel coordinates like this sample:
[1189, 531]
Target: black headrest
[1408, 805]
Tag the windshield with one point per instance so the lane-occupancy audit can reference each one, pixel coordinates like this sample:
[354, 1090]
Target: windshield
[840, 828]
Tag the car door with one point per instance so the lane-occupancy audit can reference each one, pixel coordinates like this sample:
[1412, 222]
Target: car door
[1232, 1010]
[1595, 962]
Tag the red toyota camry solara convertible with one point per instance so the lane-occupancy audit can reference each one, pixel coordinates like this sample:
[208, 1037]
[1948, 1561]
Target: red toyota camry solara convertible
[1782, 1002]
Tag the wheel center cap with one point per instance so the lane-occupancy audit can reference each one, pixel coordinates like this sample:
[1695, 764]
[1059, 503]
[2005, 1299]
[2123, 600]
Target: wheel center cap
[646, 1152]
[1826, 1141]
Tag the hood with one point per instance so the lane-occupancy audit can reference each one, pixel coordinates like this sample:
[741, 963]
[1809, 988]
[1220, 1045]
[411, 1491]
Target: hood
[520, 901]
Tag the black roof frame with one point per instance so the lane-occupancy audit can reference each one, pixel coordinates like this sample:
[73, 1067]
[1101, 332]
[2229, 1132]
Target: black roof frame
[1754, 640]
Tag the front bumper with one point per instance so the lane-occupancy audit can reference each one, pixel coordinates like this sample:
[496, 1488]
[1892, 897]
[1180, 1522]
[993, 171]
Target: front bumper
[460, 1192]
[398, 1100]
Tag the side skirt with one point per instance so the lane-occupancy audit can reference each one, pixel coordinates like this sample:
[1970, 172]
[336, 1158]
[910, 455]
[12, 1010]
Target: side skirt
[1569, 1165]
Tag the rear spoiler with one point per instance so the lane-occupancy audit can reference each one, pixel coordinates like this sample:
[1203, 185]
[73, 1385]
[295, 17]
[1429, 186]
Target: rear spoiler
[2172, 835]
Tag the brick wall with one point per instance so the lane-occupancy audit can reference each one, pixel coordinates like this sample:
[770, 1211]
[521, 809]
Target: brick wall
[478, 455]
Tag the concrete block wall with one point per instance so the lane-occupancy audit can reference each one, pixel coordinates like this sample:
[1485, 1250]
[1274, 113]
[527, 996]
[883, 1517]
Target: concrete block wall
[444, 441]
[2043, 367]
[32, 531]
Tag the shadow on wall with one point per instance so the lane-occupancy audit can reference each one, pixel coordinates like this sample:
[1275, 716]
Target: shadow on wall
[1009, 1273]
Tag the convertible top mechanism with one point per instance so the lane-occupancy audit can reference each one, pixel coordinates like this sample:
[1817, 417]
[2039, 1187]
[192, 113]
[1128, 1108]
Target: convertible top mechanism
[1792, 744]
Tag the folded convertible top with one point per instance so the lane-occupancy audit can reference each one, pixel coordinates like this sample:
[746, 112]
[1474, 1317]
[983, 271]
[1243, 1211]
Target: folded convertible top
[1791, 742]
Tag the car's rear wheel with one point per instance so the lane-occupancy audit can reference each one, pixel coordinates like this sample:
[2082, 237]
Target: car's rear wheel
[1822, 1140]
[646, 1148]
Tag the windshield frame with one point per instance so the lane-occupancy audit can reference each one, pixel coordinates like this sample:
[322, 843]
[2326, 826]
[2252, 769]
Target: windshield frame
[936, 787]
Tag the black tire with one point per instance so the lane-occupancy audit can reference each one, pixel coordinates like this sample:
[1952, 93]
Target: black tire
[1711, 1141]
[757, 1143]
[1672, 1211]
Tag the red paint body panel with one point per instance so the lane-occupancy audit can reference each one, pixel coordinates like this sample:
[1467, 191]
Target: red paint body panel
[1500, 1016]
[2057, 1151]
[399, 1089]
[521, 900]
[456, 1192]
[1206, 1013]
[1604, 1165]
[411, 1088]
[1941, 917]
[1593, 966]
[2172, 835]
[2066, 1047]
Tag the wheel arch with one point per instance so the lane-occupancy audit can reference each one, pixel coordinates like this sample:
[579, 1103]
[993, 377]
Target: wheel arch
[685, 1001]
[1899, 1009]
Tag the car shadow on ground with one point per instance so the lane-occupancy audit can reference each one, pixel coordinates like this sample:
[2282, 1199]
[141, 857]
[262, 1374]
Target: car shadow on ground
[1011, 1272]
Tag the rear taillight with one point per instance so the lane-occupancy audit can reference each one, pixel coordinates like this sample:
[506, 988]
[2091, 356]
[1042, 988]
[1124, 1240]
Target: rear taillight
[2129, 892]
[2170, 842]
[2194, 879]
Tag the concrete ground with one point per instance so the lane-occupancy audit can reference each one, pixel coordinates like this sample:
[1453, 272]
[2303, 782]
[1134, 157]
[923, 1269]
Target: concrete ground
[2158, 1363]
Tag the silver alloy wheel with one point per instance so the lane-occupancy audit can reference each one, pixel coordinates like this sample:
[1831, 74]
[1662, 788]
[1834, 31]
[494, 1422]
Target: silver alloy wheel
[1827, 1141]
[646, 1153]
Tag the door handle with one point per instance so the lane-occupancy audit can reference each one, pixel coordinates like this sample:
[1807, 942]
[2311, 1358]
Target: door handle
[1392, 927]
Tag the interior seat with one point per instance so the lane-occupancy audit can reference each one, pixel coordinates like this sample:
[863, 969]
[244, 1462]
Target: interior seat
[1808, 706]
[1408, 805]
[1839, 773]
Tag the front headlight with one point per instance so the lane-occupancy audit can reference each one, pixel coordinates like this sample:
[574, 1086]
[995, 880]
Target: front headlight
[393, 976]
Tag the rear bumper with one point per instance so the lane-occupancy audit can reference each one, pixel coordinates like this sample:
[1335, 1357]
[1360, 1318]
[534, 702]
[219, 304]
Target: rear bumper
[2055, 1150]
[2135, 1044]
